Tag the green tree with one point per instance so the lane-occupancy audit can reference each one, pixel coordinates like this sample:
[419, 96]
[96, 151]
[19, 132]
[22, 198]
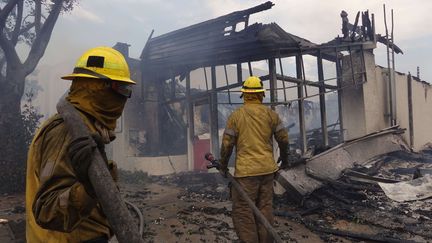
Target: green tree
[22, 23]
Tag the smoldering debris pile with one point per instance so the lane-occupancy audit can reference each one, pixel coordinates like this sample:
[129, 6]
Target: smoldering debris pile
[195, 207]
[349, 209]
[355, 206]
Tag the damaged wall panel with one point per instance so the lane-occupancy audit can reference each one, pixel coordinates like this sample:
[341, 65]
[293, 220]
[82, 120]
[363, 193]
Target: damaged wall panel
[303, 180]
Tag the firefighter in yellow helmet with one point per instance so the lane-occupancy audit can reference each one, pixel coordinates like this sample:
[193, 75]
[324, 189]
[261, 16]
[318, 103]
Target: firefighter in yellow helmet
[250, 129]
[60, 202]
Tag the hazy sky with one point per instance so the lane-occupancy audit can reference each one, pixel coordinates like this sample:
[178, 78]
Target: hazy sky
[105, 22]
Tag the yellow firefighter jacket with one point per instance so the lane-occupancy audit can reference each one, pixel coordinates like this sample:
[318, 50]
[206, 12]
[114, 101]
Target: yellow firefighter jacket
[250, 129]
[58, 207]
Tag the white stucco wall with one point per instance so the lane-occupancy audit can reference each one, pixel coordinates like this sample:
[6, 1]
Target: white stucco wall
[352, 99]
[161, 165]
[422, 113]
[402, 115]
[375, 97]
[366, 108]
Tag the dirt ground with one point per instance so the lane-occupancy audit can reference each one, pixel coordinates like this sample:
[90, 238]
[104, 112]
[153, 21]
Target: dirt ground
[195, 207]
[174, 214]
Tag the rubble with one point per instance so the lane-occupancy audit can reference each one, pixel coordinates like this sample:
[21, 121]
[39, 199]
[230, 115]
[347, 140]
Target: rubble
[329, 165]
[195, 207]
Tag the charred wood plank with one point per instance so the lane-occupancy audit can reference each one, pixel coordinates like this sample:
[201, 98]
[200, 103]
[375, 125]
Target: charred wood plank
[361, 236]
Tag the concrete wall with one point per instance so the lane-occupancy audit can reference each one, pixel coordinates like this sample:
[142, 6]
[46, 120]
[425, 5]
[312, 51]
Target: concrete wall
[401, 100]
[422, 113]
[160, 165]
[364, 105]
[375, 93]
[421, 105]
[352, 99]
[157, 165]
[366, 108]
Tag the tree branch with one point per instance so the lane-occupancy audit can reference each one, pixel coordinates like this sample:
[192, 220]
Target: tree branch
[18, 22]
[4, 13]
[9, 51]
[2, 63]
[26, 28]
[39, 45]
[38, 13]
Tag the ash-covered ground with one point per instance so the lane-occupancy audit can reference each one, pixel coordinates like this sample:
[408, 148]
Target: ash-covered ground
[195, 207]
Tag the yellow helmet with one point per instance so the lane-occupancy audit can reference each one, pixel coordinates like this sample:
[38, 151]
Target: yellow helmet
[252, 85]
[102, 63]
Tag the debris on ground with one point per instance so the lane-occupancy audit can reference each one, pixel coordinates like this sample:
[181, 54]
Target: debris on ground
[195, 207]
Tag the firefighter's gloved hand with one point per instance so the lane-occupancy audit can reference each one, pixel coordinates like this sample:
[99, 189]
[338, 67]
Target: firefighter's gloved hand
[113, 169]
[223, 170]
[284, 163]
[221, 167]
[291, 160]
[80, 152]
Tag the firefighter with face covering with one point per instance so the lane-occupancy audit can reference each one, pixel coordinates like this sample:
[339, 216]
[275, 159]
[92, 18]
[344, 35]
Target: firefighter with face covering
[60, 201]
[250, 129]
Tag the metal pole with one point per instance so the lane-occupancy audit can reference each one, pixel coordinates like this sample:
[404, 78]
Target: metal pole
[273, 82]
[322, 100]
[340, 90]
[283, 83]
[304, 76]
[302, 125]
[250, 69]
[393, 73]
[227, 84]
[389, 91]
[214, 127]
[205, 77]
[410, 112]
[190, 124]
[239, 73]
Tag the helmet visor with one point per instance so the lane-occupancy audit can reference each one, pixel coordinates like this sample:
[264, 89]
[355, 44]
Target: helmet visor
[123, 89]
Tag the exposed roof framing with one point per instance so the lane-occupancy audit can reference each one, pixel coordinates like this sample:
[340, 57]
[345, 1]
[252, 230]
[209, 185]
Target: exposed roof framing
[219, 41]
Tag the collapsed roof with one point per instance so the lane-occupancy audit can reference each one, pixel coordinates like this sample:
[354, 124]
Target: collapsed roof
[220, 41]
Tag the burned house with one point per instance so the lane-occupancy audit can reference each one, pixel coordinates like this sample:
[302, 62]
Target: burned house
[189, 81]
[364, 127]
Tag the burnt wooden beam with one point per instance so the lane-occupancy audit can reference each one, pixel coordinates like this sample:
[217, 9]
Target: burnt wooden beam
[190, 122]
[300, 94]
[214, 126]
[273, 81]
[299, 81]
[361, 236]
[225, 20]
[239, 73]
[323, 113]
[340, 90]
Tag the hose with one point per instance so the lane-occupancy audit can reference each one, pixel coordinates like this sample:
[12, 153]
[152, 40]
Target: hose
[140, 216]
